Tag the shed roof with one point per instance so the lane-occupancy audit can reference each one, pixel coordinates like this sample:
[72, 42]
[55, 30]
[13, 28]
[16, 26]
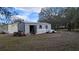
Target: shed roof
[32, 23]
[35, 23]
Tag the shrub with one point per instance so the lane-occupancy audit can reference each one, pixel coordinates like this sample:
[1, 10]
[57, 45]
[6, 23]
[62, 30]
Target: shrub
[15, 34]
[47, 32]
[3, 32]
[19, 33]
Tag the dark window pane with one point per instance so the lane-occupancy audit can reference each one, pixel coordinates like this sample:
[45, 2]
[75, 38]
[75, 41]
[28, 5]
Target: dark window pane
[40, 26]
[46, 27]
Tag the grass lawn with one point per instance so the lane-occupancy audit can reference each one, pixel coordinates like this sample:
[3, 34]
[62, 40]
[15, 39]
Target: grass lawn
[60, 41]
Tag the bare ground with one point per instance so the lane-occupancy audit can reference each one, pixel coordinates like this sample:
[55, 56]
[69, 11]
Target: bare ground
[60, 41]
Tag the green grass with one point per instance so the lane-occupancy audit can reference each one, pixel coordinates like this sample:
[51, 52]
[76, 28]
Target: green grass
[60, 41]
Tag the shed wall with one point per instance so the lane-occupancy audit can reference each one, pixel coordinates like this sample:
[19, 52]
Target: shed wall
[13, 28]
[25, 27]
[21, 27]
[43, 29]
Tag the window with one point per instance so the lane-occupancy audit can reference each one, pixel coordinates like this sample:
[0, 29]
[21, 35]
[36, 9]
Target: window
[40, 26]
[46, 27]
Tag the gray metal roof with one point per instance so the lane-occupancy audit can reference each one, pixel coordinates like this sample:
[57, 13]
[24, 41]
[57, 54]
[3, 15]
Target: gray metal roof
[35, 23]
[31, 23]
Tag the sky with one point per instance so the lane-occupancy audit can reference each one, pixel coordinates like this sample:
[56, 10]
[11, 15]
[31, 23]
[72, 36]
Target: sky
[30, 14]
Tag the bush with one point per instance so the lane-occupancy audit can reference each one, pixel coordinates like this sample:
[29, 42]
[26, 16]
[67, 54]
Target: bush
[19, 33]
[15, 34]
[3, 33]
[23, 34]
[47, 32]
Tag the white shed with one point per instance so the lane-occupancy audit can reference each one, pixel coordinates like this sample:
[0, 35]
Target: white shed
[29, 27]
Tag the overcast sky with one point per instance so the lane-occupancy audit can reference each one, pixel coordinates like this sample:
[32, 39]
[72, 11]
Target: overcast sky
[29, 13]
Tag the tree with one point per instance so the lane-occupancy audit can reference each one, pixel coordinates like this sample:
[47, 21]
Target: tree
[17, 18]
[6, 13]
[51, 15]
[57, 16]
[72, 16]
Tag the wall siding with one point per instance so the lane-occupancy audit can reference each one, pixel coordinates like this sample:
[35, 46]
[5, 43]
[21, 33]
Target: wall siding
[21, 27]
[43, 30]
[13, 28]
[26, 27]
